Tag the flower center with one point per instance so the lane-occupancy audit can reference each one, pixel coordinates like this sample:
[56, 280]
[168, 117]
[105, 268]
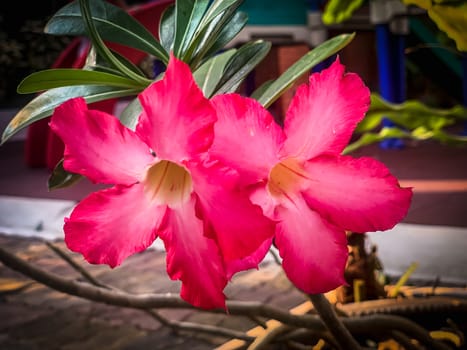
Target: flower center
[286, 177]
[168, 183]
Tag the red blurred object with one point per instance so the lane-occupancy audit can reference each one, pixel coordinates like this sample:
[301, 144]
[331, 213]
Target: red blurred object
[42, 147]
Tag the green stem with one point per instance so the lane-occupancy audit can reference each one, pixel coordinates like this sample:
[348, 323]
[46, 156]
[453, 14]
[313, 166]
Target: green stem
[333, 323]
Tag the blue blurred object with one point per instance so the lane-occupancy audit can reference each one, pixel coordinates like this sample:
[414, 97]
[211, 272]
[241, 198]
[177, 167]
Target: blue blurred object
[464, 87]
[391, 72]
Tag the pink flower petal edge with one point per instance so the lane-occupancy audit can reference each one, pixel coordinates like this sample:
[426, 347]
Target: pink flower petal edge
[238, 226]
[247, 137]
[93, 139]
[193, 258]
[314, 252]
[324, 113]
[359, 195]
[110, 225]
[178, 121]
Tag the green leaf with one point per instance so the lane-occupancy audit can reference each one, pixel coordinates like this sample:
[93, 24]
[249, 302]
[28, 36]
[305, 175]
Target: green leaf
[53, 78]
[60, 178]
[167, 28]
[449, 16]
[242, 62]
[228, 32]
[130, 115]
[409, 114]
[101, 47]
[97, 63]
[218, 7]
[43, 105]
[210, 73]
[419, 134]
[211, 28]
[259, 91]
[369, 138]
[188, 16]
[302, 66]
[338, 11]
[113, 24]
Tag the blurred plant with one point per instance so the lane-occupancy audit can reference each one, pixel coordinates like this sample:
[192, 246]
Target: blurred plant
[449, 15]
[413, 120]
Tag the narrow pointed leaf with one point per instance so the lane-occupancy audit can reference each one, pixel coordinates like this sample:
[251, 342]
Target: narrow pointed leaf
[259, 91]
[228, 32]
[211, 29]
[302, 66]
[43, 105]
[220, 6]
[167, 28]
[188, 14]
[100, 62]
[101, 48]
[113, 24]
[54, 78]
[60, 178]
[245, 59]
[209, 74]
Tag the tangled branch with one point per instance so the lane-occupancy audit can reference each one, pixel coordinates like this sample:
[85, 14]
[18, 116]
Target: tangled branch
[361, 325]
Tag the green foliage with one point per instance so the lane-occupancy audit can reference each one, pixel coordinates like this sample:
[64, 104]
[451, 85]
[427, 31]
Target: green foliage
[43, 105]
[112, 23]
[268, 94]
[449, 15]
[196, 31]
[53, 78]
[338, 11]
[60, 178]
[413, 120]
[208, 76]
[242, 62]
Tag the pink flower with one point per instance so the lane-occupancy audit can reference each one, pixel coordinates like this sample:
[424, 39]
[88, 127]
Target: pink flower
[165, 185]
[299, 177]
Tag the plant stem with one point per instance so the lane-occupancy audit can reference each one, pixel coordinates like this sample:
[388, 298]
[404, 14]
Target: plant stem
[332, 322]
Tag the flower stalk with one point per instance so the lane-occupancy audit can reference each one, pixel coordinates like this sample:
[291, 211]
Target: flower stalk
[327, 313]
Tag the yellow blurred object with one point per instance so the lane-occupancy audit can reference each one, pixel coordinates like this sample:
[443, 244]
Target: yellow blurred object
[10, 286]
[445, 335]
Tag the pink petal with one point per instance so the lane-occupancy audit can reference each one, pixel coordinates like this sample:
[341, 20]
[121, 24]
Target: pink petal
[323, 115]
[193, 258]
[247, 137]
[249, 262]
[112, 224]
[98, 146]
[238, 226]
[359, 195]
[177, 121]
[314, 252]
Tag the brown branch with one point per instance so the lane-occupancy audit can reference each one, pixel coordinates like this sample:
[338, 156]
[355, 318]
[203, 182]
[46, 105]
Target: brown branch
[342, 335]
[86, 275]
[144, 301]
[403, 340]
[356, 325]
[385, 324]
[308, 334]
